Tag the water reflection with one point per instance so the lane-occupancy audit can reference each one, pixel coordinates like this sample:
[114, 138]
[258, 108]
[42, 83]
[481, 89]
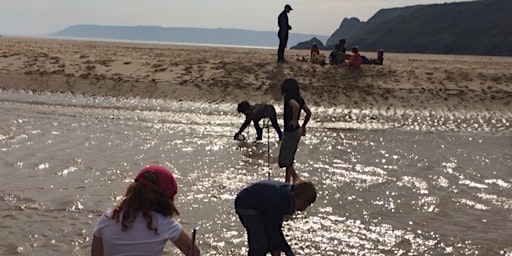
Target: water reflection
[433, 184]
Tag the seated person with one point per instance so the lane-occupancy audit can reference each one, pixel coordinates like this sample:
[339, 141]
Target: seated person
[341, 45]
[355, 60]
[316, 57]
[255, 113]
[378, 61]
[314, 50]
[339, 55]
[380, 58]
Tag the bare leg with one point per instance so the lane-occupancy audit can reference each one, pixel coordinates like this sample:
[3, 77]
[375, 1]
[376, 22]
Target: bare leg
[275, 253]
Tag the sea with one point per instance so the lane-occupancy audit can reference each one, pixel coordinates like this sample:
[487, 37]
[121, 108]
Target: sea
[97, 39]
[389, 181]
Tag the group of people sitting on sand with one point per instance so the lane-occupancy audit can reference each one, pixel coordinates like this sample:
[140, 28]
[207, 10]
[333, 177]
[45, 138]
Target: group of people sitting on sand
[355, 60]
[339, 56]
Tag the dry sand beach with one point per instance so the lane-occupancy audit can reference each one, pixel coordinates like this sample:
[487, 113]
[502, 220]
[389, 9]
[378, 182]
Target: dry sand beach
[409, 158]
[225, 74]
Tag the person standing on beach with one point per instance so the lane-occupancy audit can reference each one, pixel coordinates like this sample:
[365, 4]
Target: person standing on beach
[293, 105]
[255, 113]
[282, 34]
[142, 222]
[262, 206]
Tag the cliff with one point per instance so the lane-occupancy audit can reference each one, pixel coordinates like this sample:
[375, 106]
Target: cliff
[471, 28]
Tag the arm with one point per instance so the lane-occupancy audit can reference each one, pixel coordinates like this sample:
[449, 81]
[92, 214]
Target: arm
[306, 118]
[276, 234]
[184, 242]
[244, 125]
[97, 246]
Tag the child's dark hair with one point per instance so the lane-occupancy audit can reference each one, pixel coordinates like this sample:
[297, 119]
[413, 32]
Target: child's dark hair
[243, 106]
[305, 190]
[290, 87]
[355, 49]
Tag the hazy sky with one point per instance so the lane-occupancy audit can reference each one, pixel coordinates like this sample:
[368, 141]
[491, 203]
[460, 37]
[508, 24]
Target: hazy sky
[320, 17]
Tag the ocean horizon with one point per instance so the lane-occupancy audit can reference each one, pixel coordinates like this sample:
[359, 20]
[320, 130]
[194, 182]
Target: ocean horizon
[143, 41]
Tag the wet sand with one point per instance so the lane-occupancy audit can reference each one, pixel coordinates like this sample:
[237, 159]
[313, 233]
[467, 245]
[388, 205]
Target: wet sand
[220, 74]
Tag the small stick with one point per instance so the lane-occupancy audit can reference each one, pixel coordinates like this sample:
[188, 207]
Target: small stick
[268, 148]
[194, 230]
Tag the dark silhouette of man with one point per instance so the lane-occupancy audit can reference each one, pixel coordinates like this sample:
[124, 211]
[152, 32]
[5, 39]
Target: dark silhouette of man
[282, 34]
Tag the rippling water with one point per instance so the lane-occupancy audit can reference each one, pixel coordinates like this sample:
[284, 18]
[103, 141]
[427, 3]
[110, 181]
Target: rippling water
[390, 181]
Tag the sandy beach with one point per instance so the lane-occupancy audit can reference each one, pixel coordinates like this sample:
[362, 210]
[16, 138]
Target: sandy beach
[409, 158]
[228, 74]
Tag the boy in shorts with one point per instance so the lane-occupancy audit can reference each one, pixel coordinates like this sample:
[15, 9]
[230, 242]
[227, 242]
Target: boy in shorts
[294, 104]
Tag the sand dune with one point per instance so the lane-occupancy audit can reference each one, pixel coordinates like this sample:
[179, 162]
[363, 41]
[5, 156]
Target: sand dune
[224, 74]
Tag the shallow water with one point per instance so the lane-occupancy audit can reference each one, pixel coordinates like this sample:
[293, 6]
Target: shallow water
[391, 182]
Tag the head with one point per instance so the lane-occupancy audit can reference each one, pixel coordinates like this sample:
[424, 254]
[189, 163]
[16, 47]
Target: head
[342, 41]
[304, 194]
[290, 87]
[243, 107]
[355, 49]
[314, 46]
[380, 53]
[158, 179]
[287, 8]
[153, 190]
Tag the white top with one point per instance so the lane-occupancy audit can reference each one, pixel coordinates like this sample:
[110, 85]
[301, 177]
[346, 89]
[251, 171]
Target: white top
[138, 240]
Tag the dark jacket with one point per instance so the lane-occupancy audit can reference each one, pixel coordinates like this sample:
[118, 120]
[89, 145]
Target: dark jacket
[270, 199]
[284, 26]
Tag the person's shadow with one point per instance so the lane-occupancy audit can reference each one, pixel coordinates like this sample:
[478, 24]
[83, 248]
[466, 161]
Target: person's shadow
[276, 77]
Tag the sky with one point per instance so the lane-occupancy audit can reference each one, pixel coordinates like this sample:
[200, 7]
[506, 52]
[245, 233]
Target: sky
[317, 17]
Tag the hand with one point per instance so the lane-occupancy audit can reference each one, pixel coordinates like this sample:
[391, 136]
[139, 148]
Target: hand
[303, 129]
[290, 254]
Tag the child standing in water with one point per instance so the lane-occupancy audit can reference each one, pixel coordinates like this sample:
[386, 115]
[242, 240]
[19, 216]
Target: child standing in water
[294, 104]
